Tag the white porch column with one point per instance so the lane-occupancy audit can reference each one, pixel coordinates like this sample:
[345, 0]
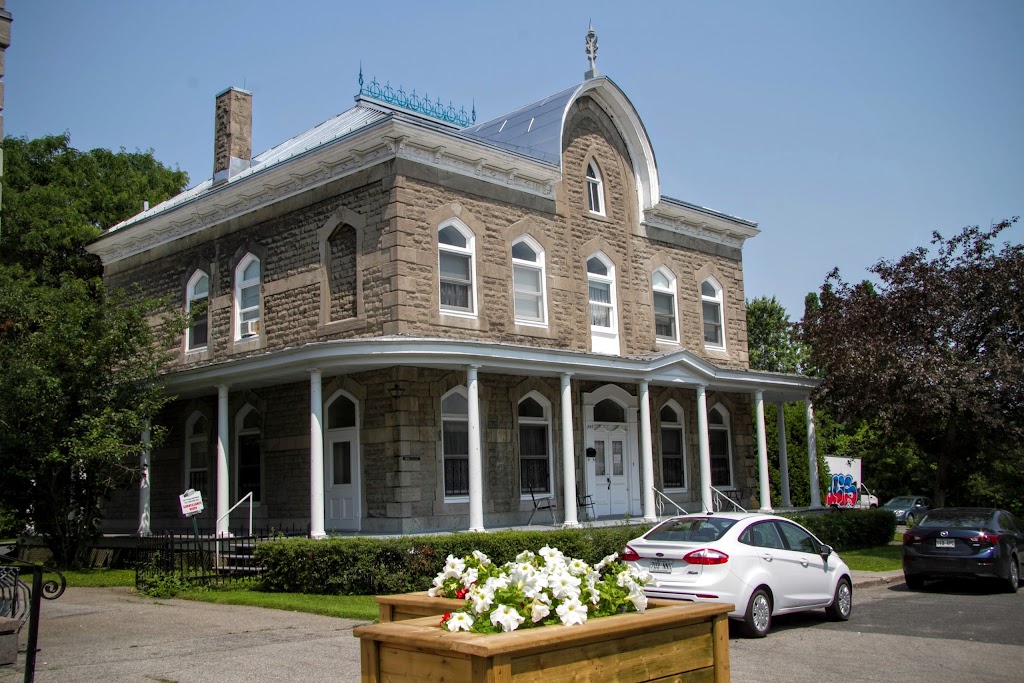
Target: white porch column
[704, 447]
[476, 480]
[780, 421]
[145, 460]
[568, 455]
[646, 453]
[316, 455]
[762, 454]
[223, 523]
[812, 456]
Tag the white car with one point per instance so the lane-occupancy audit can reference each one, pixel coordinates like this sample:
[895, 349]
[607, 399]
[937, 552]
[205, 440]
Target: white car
[764, 565]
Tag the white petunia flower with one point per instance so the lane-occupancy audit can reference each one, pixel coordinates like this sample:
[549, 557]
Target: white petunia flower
[578, 567]
[637, 597]
[470, 577]
[539, 611]
[460, 621]
[525, 556]
[553, 556]
[564, 585]
[453, 567]
[506, 617]
[482, 559]
[606, 561]
[572, 612]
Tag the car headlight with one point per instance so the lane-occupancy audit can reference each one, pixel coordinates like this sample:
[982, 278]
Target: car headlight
[899, 512]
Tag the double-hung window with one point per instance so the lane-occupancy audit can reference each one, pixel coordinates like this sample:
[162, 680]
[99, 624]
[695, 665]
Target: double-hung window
[455, 250]
[197, 455]
[601, 291]
[534, 446]
[198, 292]
[455, 442]
[247, 297]
[528, 281]
[664, 285]
[711, 307]
[673, 454]
[595, 189]
[249, 458]
[720, 445]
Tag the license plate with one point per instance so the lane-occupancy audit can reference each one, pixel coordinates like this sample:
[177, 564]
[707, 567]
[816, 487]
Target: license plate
[945, 543]
[661, 566]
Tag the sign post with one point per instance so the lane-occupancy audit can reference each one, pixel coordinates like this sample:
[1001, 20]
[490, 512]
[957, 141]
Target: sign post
[191, 505]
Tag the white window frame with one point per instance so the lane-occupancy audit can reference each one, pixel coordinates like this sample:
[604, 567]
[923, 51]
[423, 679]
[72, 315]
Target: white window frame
[724, 427]
[595, 189]
[545, 422]
[191, 441]
[454, 417]
[717, 300]
[536, 266]
[467, 252]
[246, 314]
[603, 339]
[680, 425]
[193, 297]
[241, 431]
[668, 290]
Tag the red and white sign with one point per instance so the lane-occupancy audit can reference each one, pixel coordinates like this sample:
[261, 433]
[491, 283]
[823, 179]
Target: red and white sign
[191, 502]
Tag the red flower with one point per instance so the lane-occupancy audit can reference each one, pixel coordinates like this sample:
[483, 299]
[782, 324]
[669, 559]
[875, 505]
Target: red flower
[445, 618]
[461, 593]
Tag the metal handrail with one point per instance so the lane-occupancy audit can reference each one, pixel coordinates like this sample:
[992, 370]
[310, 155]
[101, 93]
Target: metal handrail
[49, 589]
[661, 505]
[216, 547]
[718, 503]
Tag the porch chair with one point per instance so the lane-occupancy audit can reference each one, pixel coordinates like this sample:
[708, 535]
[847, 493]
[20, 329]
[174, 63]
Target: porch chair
[547, 502]
[586, 503]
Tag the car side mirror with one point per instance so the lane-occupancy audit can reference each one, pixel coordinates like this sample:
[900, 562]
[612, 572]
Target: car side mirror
[825, 551]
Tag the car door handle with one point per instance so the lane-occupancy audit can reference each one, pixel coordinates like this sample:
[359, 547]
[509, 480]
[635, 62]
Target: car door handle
[767, 557]
[803, 561]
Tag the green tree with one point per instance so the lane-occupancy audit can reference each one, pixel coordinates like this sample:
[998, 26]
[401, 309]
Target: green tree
[772, 341]
[78, 364]
[933, 354]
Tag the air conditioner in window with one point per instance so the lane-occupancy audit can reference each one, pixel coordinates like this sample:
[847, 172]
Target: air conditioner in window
[250, 328]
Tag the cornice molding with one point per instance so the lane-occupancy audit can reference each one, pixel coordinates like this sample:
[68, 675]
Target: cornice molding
[699, 225]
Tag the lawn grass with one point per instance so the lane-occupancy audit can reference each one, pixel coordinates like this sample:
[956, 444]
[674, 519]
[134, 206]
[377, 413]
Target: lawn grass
[359, 607]
[879, 559]
[97, 578]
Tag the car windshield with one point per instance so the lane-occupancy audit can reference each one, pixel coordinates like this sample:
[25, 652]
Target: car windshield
[957, 520]
[897, 503]
[691, 529]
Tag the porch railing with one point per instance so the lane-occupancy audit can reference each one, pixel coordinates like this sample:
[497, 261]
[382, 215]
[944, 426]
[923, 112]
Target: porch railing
[662, 499]
[13, 591]
[720, 499]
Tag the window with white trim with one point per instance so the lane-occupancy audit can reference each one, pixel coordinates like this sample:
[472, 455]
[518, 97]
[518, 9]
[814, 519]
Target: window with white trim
[720, 445]
[455, 256]
[528, 281]
[247, 297]
[711, 307]
[673, 448]
[455, 442]
[595, 189]
[249, 454]
[197, 309]
[601, 292]
[534, 445]
[197, 454]
[663, 282]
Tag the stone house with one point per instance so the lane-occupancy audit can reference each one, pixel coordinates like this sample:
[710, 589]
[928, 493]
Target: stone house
[403, 321]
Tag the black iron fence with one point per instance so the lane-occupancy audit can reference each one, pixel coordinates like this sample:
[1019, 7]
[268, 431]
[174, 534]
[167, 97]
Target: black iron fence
[20, 602]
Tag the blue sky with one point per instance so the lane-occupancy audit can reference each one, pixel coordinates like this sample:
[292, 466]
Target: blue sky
[848, 131]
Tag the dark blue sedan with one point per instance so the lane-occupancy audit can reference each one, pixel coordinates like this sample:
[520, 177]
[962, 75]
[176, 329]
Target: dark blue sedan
[964, 542]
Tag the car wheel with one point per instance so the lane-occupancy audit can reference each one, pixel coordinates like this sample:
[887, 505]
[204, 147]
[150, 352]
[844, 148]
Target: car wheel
[1013, 580]
[758, 618]
[873, 506]
[842, 602]
[914, 582]
[910, 520]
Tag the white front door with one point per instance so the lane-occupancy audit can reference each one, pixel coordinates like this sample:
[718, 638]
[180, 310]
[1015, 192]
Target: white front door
[612, 473]
[341, 481]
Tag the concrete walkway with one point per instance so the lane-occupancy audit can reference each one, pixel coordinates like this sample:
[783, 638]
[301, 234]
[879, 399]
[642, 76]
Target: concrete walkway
[116, 634]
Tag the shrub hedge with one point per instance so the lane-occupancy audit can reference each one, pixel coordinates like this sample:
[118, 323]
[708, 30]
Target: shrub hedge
[850, 529]
[384, 565]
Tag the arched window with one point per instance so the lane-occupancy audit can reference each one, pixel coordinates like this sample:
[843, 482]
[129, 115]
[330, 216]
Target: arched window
[249, 450]
[601, 287]
[341, 413]
[197, 455]
[534, 444]
[609, 410]
[528, 281]
[663, 282]
[595, 189]
[198, 311]
[247, 297]
[673, 448]
[455, 442]
[455, 254]
[720, 443]
[711, 307]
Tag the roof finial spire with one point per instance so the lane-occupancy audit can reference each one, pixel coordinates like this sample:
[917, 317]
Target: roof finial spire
[592, 72]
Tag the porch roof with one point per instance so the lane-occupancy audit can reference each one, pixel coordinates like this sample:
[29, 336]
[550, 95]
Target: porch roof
[346, 356]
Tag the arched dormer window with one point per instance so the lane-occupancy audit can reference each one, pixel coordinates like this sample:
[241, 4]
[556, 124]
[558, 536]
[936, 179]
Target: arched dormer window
[663, 283]
[248, 282]
[528, 281]
[455, 442]
[595, 189]
[711, 307]
[456, 248]
[720, 444]
[197, 308]
[673, 448]
[534, 413]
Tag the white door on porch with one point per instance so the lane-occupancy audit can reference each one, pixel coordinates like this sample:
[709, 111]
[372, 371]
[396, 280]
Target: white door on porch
[341, 466]
[612, 473]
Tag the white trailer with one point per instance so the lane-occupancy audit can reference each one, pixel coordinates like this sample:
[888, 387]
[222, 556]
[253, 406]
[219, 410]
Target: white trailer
[846, 490]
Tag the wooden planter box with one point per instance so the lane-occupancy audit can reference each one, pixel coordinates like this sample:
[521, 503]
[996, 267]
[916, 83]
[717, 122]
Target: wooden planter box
[683, 642]
[414, 605]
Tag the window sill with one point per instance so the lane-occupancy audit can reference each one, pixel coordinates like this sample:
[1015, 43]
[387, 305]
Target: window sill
[455, 500]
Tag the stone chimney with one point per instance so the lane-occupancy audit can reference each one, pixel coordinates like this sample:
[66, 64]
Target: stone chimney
[232, 134]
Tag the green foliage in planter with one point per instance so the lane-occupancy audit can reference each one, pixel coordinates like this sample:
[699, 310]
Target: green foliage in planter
[381, 566]
[851, 529]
